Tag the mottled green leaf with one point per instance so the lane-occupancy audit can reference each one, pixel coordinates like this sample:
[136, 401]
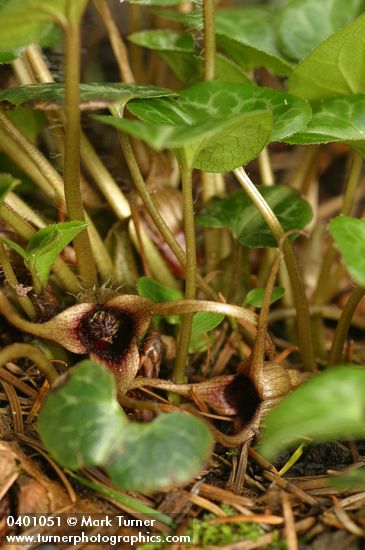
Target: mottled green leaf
[349, 236]
[334, 68]
[328, 407]
[80, 422]
[255, 297]
[341, 119]
[303, 24]
[215, 145]
[219, 126]
[93, 95]
[237, 213]
[217, 100]
[166, 452]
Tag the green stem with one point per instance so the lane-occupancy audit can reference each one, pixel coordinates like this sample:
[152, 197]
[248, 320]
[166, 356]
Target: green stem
[63, 272]
[300, 299]
[343, 326]
[16, 351]
[37, 285]
[179, 307]
[161, 226]
[124, 499]
[258, 352]
[10, 277]
[209, 39]
[266, 173]
[85, 259]
[178, 374]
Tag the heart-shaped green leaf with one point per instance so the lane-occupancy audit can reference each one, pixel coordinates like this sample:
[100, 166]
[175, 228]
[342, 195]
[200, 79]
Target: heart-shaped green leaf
[82, 424]
[44, 247]
[349, 235]
[166, 452]
[215, 145]
[219, 100]
[303, 24]
[334, 68]
[81, 421]
[328, 407]
[255, 297]
[248, 36]
[241, 217]
[7, 184]
[93, 95]
[341, 119]
[219, 126]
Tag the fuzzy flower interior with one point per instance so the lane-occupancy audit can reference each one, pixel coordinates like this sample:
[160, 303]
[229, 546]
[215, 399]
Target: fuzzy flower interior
[107, 332]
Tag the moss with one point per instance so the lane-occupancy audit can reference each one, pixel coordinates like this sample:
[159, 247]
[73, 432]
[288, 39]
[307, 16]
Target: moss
[204, 535]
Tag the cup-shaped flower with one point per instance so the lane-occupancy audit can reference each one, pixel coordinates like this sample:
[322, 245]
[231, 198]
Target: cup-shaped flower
[107, 332]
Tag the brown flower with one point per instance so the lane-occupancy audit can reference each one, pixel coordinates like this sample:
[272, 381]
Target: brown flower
[108, 333]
